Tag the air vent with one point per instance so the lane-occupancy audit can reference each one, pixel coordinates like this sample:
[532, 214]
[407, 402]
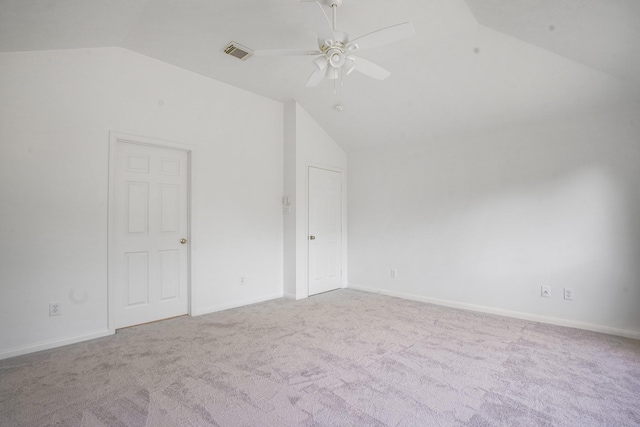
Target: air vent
[237, 50]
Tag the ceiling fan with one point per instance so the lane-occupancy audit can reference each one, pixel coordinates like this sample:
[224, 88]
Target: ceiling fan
[334, 57]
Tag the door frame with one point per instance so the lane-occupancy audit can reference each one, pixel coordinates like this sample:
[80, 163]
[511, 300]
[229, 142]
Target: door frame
[343, 215]
[114, 139]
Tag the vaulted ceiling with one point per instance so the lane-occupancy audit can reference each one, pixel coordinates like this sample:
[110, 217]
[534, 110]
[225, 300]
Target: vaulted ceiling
[472, 66]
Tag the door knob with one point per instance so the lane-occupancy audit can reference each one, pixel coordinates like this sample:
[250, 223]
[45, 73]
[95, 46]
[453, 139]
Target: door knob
[312, 237]
[183, 241]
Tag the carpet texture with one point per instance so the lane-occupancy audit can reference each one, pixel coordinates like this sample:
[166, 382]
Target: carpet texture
[344, 358]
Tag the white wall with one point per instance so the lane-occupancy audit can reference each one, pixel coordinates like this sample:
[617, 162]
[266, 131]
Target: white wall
[289, 217]
[306, 144]
[483, 222]
[56, 111]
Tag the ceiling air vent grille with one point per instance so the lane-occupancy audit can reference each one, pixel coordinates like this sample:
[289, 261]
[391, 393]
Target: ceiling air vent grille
[237, 50]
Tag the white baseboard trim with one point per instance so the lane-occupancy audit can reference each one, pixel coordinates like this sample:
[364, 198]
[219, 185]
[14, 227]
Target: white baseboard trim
[222, 307]
[501, 312]
[289, 296]
[47, 345]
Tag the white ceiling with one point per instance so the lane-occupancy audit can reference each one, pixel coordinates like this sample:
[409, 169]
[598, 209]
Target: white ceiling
[473, 66]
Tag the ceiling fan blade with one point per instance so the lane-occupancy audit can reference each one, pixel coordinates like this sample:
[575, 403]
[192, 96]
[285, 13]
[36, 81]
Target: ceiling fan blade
[349, 65]
[315, 77]
[318, 19]
[383, 36]
[370, 69]
[286, 52]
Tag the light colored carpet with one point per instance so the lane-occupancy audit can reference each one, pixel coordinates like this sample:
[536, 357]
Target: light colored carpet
[344, 358]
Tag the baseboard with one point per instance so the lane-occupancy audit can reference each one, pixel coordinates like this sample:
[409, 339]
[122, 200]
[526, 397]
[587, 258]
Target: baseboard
[47, 345]
[501, 312]
[289, 296]
[222, 307]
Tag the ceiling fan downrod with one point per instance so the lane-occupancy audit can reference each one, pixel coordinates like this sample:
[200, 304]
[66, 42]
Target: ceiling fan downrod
[334, 7]
[334, 4]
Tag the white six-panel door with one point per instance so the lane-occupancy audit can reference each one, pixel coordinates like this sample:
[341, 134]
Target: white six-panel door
[150, 233]
[325, 230]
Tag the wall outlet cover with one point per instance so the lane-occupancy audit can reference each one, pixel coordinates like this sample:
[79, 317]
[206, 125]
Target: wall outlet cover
[545, 291]
[568, 294]
[54, 309]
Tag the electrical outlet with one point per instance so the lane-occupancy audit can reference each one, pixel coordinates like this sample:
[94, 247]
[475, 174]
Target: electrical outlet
[545, 291]
[54, 309]
[241, 280]
[394, 273]
[568, 293]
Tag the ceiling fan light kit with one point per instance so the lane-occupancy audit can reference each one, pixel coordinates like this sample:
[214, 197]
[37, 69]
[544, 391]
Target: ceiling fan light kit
[333, 59]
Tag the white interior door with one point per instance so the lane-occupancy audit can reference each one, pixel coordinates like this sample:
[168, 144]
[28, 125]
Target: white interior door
[150, 233]
[325, 230]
